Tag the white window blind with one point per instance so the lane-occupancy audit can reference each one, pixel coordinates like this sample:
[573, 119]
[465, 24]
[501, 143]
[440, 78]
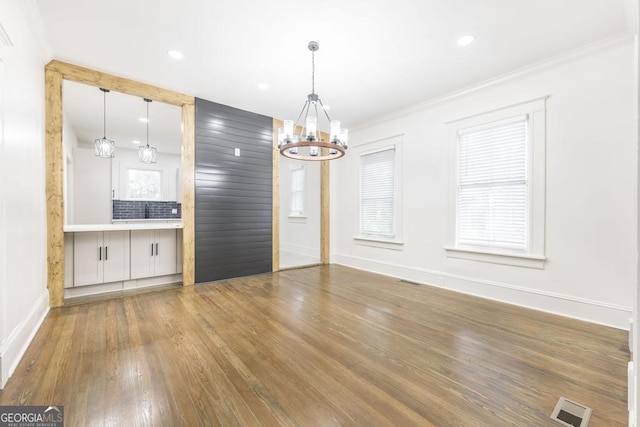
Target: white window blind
[297, 191]
[377, 193]
[492, 185]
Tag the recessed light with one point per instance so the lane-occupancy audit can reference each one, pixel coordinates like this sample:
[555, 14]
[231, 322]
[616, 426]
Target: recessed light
[143, 119]
[263, 86]
[465, 40]
[175, 54]
[136, 142]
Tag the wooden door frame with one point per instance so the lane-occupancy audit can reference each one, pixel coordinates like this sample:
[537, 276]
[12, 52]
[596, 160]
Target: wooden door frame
[325, 211]
[55, 73]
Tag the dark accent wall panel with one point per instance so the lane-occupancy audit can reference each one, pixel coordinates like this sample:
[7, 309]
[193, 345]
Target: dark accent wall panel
[233, 200]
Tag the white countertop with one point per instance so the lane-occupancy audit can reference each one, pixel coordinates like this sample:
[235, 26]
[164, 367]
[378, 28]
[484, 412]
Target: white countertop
[153, 225]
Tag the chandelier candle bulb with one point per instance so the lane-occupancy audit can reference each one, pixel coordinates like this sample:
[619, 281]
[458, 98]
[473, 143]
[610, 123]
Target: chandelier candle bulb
[288, 130]
[344, 137]
[281, 138]
[312, 126]
[335, 131]
[313, 151]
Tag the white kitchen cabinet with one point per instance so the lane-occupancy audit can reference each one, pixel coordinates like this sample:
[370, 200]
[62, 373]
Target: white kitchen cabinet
[100, 257]
[153, 253]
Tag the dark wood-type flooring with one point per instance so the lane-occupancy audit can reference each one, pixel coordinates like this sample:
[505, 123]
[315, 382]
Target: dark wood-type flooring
[321, 346]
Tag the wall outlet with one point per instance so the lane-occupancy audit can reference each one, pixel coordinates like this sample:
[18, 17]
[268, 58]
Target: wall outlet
[174, 211]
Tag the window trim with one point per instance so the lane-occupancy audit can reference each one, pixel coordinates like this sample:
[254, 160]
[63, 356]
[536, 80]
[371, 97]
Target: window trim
[533, 256]
[394, 142]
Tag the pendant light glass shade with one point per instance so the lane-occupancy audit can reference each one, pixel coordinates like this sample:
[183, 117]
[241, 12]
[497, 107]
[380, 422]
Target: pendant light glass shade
[147, 153]
[104, 147]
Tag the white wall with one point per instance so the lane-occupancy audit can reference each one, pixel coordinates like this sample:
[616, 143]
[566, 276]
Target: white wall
[23, 278]
[69, 143]
[590, 194]
[299, 237]
[91, 195]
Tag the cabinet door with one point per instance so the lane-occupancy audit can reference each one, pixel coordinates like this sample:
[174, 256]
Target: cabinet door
[115, 256]
[142, 253]
[179, 251]
[165, 255]
[87, 258]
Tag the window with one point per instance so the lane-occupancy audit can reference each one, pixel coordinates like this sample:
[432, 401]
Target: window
[498, 199]
[144, 184]
[377, 196]
[492, 185]
[297, 192]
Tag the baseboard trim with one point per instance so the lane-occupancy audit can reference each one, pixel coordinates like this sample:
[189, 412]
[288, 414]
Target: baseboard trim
[300, 249]
[612, 315]
[19, 339]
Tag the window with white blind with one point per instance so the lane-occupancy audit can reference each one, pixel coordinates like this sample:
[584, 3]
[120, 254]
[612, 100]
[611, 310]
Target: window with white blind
[377, 194]
[297, 192]
[498, 199]
[492, 185]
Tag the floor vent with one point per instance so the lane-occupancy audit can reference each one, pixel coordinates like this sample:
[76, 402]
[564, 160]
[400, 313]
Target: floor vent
[410, 282]
[571, 414]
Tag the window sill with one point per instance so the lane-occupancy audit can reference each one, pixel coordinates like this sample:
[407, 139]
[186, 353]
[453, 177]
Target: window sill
[379, 242]
[297, 218]
[528, 261]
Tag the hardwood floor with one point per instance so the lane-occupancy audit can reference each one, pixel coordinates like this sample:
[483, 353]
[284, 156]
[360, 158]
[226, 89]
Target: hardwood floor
[320, 346]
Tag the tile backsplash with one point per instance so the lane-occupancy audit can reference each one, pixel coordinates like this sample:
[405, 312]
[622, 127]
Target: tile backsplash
[137, 209]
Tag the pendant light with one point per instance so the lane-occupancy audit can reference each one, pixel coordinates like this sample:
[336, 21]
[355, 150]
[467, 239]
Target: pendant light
[147, 153]
[104, 147]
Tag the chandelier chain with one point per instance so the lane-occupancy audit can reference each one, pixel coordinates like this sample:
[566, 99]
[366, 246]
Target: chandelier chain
[313, 71]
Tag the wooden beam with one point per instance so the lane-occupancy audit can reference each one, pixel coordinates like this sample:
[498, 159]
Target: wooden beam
[188, 195]
[55, 73]
[325, 212]
[275, 263]
[119, 84]
[54, 187]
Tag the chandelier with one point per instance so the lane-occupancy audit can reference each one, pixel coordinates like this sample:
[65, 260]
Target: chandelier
[104, 147]
[147, 153]
[305, 142]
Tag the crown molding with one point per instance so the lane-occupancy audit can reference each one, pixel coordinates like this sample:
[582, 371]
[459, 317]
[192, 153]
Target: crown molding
[604, 44]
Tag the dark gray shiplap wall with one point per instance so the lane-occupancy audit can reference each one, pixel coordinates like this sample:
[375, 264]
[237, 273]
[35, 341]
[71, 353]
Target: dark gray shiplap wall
[233, 200]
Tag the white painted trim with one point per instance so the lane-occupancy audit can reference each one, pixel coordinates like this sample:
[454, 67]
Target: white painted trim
[302, 219]
[12, 350]
[379, 242]
[497, 258]
[301, 250]
[612, 315]
[600, 45]
[396, 143]
[535, 112]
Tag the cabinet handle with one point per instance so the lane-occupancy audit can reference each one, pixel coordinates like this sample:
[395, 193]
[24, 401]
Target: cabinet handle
[152, 249]
[106, 253]
[100, 254]
[156, 249]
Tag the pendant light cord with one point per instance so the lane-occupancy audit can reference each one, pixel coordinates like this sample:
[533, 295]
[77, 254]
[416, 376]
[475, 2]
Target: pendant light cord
[147, 123]
[104, 112]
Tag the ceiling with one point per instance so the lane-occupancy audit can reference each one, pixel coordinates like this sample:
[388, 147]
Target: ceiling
[375, 56]
[83, 109]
